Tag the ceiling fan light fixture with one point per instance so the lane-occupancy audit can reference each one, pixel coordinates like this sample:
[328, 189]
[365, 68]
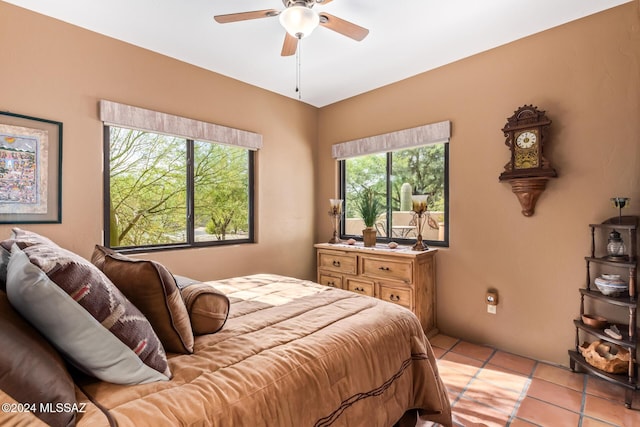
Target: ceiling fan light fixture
[299, 21]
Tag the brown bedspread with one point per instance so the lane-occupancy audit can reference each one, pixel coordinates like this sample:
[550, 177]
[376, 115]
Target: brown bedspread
[293, 353]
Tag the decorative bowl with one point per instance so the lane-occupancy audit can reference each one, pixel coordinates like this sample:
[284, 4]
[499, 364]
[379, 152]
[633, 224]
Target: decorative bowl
[611, 287]
[606, 356]
[594, 321]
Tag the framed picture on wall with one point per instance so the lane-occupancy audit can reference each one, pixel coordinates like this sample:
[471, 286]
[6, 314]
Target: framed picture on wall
[30, 169]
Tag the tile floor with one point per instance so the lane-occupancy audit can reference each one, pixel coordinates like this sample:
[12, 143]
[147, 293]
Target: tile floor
[489, 387]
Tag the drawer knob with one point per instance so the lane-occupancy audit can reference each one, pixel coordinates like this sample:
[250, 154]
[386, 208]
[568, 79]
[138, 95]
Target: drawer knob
[336, 263]
[331, 284]
[384, 268]
[359, 289]
[393, 297]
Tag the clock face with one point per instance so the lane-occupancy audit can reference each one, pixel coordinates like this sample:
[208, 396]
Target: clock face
[526, 139]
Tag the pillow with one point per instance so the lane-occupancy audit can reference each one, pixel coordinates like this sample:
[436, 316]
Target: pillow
[183, 281]
[25, 238]
[84, 315]
[4, 262]
[32, 371]
[208, 308]
[99, 254]
[152, 289]
[29, 237]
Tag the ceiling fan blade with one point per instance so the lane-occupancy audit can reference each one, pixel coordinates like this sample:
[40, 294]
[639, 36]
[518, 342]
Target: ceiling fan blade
[323, 2]
[245, 16]
[343, 27]
[290, 45]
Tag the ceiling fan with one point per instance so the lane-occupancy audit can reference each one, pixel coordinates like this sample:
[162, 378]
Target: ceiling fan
[299, 19]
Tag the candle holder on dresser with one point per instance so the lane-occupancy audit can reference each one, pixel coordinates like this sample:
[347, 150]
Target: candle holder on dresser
[335, 212]
[419, 204]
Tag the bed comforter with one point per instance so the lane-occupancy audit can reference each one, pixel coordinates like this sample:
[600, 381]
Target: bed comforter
[292, 353]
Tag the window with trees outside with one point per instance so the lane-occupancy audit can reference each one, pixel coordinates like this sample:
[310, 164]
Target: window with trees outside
[165, 191]
[392, 168]
[393, 178]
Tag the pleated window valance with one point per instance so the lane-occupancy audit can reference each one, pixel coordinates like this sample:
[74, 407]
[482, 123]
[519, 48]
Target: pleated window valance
[407, 138]
[115, 114]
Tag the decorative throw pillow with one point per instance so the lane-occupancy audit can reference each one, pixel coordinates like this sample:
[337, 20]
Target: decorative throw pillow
[84, 315]
[152, 288]
[99, 254]
[30, 237]
[24, 239]
[4, 262]
[208, 309]
[31, 371]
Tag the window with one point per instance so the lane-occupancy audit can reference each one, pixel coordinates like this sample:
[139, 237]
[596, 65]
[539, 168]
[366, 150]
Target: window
[173, 182]
[166, 191]
[395, 167]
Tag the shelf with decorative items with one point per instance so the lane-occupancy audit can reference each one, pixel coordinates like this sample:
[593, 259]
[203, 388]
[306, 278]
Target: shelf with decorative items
[612, 356]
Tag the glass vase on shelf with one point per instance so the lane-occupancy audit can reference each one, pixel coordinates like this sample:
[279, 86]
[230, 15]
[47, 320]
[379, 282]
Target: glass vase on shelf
[616, 249]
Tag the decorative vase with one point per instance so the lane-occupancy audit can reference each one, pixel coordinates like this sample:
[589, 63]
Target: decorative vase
[615, 247]
[369, 237]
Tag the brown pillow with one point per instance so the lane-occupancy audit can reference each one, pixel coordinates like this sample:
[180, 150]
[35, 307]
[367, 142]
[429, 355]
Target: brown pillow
[152, 288]
[99, 254]
[31, 371]
[208, 308]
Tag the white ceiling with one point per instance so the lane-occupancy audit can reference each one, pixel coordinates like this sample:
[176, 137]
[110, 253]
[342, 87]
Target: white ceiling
[406, 37]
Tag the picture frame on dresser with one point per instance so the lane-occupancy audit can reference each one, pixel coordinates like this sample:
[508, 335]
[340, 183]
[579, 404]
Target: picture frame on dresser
[30, 169]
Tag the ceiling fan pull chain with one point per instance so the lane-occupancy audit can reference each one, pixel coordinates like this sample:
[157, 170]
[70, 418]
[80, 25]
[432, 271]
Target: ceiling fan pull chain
[298, 54]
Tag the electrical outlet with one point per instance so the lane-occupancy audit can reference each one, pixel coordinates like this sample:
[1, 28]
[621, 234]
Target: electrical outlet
[492, 309]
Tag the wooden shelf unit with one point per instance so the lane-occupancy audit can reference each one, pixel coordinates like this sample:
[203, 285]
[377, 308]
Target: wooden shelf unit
[628, 301]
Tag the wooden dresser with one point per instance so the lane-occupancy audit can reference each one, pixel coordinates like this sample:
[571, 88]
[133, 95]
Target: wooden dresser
[400, 275]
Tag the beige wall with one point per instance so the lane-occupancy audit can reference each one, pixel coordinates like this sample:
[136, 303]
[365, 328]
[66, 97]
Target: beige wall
[586, 75]
[59, 72]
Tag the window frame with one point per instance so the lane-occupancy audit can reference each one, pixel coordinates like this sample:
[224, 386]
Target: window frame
[342, 191]
[190, 208]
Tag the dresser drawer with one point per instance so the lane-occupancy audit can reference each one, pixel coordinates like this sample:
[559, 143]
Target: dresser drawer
[338, 261]
[387, 268]
[397, 295]
[328, 280]
[403, 276]
[360, 287]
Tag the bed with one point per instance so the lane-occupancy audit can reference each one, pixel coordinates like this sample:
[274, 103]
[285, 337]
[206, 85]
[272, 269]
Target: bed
[259, 350]
[292, 353]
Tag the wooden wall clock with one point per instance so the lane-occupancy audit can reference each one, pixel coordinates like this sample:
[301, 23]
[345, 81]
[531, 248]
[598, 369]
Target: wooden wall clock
[528, 170]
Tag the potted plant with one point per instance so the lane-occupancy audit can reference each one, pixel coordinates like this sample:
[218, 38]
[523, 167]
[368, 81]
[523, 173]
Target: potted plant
[369, 209]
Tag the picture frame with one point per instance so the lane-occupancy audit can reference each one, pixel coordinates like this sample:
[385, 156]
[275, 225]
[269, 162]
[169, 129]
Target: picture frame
[30, 169]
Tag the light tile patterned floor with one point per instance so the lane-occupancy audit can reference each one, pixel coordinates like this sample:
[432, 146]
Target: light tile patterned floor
[489, 387]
